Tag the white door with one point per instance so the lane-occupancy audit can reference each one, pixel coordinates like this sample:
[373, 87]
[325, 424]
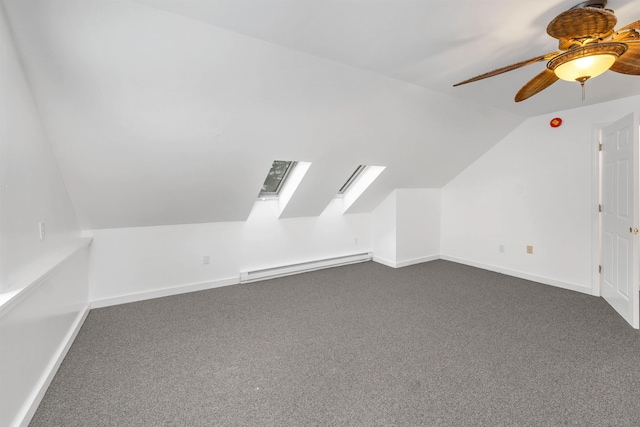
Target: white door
[619, 278]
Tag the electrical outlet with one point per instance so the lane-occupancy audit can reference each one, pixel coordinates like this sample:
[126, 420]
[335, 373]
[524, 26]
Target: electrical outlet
[355, 241]
[501, 248]
[207, 259]
[529, 249]
[41, 228]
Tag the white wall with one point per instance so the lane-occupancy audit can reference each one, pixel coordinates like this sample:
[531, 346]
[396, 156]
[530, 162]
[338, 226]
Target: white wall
[31, 187]
[43, 294]
[406, 227]
[129, 264]
[384, 230]
[532, 188]
[418, 225]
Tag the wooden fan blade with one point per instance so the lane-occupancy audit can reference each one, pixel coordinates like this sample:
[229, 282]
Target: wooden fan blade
[535, 85]
[629, 62]
[511, 67]
[632, 26]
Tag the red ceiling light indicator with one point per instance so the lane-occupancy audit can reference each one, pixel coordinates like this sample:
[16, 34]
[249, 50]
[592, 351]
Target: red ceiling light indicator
[554, 123]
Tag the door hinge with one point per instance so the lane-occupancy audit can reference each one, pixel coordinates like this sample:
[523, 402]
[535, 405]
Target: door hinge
[600, 147]
[599, 208]
[599, 269]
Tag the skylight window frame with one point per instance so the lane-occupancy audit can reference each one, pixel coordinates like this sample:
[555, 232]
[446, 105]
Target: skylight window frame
[264, 195]
[354, 176]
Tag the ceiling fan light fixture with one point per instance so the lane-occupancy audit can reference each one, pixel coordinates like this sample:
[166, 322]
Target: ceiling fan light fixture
[588, 45]
[586, 62]
[585, 66]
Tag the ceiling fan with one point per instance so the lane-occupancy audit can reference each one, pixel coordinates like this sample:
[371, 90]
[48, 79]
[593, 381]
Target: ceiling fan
[588, 46]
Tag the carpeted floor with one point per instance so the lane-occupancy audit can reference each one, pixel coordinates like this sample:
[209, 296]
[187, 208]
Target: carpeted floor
[362, 345]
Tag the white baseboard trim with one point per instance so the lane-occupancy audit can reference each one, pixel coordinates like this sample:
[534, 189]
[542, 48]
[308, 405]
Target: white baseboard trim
[420, 260]
[384, 261]
[405, 263]
[520, 275]
[31, 405]
[165, 292]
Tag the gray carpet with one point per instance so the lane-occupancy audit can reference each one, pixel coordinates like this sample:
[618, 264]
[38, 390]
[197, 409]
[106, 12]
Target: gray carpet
[361, 345]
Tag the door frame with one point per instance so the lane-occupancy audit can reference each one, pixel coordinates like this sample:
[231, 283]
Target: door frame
[596, 199]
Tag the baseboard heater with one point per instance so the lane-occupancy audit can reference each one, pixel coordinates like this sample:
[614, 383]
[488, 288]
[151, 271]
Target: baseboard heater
[286, 270]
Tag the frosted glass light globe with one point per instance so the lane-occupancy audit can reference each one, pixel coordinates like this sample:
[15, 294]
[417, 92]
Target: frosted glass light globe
[586, 66]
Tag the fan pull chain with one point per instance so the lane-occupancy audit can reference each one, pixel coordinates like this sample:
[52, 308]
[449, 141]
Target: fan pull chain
[581, 80]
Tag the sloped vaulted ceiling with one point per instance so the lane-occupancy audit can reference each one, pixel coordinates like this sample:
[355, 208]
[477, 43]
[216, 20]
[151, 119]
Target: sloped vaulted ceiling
[167, 112]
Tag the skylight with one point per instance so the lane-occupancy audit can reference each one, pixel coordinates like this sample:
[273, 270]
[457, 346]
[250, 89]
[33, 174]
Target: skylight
[352, 179]
[280, 170]
[360, 179]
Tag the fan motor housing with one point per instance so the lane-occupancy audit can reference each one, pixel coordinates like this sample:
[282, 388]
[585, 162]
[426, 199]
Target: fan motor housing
[591, 3]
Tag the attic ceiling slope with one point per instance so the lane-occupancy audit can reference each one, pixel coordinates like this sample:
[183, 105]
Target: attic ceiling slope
[427, 43]
[159, 119]
[319, 187]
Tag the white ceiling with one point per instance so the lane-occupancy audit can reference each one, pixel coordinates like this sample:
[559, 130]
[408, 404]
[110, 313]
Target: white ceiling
[171, 111]
[433, 44]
